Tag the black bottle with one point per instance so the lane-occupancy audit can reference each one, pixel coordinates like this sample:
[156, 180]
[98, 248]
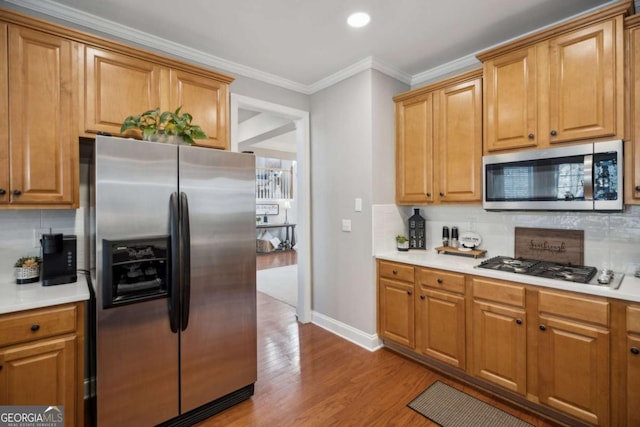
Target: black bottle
[445, 236]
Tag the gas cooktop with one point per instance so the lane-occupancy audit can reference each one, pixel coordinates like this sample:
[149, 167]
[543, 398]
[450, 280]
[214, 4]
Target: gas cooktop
[549, 270]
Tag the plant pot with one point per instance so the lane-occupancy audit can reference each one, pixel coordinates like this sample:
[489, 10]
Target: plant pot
[165, 138]
[27, 274]
[403, 246]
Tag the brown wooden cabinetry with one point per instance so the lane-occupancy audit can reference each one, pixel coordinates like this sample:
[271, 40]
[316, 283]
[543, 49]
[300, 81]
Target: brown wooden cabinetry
[42, 359]
[632, 143]
[499, 334]
[574, 355]
[632, 414]
[439, 135]
[559, 85]
[38, 144]
[440, 317]
[396, 303]
[117, 86]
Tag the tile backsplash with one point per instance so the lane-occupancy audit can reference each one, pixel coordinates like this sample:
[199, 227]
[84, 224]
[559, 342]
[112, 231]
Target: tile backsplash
[612, 240]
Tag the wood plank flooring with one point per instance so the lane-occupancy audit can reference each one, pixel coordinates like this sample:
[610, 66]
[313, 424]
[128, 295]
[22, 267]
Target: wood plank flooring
[308, 376]
[276, 259]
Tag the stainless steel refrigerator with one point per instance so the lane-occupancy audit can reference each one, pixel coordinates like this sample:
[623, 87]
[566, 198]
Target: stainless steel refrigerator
[175, 281]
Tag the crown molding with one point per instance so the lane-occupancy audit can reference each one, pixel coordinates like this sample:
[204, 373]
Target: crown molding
[453, 67]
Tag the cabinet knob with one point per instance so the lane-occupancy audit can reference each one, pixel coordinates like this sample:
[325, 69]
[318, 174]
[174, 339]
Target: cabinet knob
[543, 328]
[423, 297]
[531, 136]
[553, 133]
[635, 350]
[35, 327]
[395, 271]
[441, 194]
[519, 321]
[637, 187]
[409, 293]
[439, 281]
[17, 192]
[3, 191]
[428, 194]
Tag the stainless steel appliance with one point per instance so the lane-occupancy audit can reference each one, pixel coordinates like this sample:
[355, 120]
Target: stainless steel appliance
[577, 177]
[572, 273]
[59, 255]
[175, 281]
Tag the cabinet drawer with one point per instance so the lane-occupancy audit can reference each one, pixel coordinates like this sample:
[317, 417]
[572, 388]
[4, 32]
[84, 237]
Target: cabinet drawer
[574, 307]
[395, 271]
[505, 293]
[35, 324]
[442, 280]
[633, 319]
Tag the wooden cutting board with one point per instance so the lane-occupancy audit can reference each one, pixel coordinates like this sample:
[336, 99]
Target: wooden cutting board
[549, 244]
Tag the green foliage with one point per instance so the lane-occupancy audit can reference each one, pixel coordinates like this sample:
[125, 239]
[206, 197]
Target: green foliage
[401, 239]
[168, 123]
[27, 261]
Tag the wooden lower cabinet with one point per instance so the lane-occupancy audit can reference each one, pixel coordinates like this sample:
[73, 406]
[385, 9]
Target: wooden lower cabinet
[42, 359]
[397, 312]
[633, 381]
[440, 326]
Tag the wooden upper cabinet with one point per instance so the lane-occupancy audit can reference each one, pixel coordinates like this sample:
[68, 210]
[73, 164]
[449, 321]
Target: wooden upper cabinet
[118, 86]
[510, 101]
[4, 116]
[584, 76]
[632, 144]
[562, 84]
[206, 100]
[439, 142]
[43, 142]
[414, 150]
[458, 137]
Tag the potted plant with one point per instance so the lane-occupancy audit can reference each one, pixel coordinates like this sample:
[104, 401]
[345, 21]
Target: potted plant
[157, 126]
[402, 242]
[27, 269]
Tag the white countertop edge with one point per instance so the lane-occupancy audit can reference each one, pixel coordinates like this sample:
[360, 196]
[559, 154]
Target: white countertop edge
[15, 297]
[629, 290]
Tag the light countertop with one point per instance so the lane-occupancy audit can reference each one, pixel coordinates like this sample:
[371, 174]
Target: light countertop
[15, 297]
[629, 290]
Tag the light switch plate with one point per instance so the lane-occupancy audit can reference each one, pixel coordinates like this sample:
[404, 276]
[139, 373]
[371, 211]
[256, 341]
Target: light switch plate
[346, 225]
[358, 207]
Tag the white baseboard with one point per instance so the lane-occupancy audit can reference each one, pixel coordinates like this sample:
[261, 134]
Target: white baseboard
[369, 342]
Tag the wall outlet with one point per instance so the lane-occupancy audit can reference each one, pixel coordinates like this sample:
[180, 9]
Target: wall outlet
[346, 225]
[37, 235]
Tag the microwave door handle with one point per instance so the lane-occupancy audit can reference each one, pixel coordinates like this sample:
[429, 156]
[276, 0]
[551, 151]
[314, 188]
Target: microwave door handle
[588, 177]
[186, 259]
[174, 295]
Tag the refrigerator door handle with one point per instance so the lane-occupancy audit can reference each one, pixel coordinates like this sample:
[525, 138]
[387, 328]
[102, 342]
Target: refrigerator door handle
[174, 298]
[186, 259]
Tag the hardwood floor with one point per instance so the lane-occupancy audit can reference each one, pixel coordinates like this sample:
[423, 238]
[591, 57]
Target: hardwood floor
[276, 259]
[308, 376]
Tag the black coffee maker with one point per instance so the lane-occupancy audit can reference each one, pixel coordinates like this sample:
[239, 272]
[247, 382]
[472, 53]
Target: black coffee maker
[58, 259]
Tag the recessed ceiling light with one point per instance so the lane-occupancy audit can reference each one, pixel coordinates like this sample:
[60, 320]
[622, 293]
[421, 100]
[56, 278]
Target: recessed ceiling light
[358, 19]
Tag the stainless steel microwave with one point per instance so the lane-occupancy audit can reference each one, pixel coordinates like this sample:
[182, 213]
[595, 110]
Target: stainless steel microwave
[585, 177]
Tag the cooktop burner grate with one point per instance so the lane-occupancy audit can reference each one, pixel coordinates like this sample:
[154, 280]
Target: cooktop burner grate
[549, 270]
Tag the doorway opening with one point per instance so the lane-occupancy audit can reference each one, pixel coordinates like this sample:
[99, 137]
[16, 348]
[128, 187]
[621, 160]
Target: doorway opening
[276, 132]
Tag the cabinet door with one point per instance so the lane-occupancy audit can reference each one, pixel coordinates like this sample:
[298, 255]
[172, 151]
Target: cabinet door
[118, 86]
[510, 106]
[41, 373]
[414, 151]
[206, 100]
[440, 327]
[4, 116]
[574, 369]
[500, 346]
[397, 312]
[43, 145]
[458, 141]
[583, 79]
[633, 381]
[632, 147]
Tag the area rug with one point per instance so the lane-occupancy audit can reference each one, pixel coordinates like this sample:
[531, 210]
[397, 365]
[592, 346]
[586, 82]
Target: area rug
[449, 407]
[280, 283]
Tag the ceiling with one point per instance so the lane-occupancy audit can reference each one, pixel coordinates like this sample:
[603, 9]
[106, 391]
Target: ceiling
[307, 45]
